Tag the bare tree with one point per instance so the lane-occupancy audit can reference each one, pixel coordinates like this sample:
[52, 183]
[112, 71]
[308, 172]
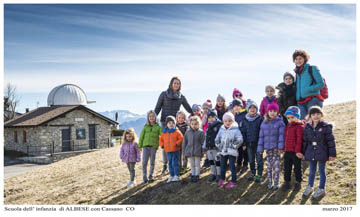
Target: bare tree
[11, 101]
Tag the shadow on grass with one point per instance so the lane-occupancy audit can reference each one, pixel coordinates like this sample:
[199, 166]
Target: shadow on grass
[202, 192]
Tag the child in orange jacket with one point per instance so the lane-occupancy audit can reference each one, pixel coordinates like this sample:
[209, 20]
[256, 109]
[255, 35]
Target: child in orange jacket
[171, 140]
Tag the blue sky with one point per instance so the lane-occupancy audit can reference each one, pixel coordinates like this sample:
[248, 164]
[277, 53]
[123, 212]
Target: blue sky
[123, 56]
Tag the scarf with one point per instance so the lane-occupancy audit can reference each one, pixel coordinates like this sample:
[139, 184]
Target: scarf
[170, 130]
[299, 69]
[172, 95]
[218, 108]
[270, 99]
[251, 118]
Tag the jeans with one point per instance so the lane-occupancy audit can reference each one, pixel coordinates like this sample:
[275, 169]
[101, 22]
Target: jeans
[251, 150]
[322, 173]
[223, 164]
[304, 108]
[173, 159]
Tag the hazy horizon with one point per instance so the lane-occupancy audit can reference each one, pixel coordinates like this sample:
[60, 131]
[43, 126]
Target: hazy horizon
[124, 55]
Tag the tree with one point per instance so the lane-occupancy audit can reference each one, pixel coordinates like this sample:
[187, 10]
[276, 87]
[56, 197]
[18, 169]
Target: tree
[11, 101]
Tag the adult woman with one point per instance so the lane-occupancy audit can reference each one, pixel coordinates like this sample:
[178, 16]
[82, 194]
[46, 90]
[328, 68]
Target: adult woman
[169, 102]
[307, 86]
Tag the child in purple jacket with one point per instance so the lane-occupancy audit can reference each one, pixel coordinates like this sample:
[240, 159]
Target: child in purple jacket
[318, 147]
[130, 153]
[271, 138]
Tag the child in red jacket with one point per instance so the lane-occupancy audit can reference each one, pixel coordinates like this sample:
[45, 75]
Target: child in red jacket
[293, 137]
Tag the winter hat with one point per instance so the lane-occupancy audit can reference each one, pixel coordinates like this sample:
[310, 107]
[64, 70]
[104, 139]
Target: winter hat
[228, 115]
[196, 107]
[170, 118]
[294, 111]
[237, 102]
[207, 104]
[236, 91]
[269, 86]
[273, 106]
[220, 97]
[289, 74]
[212, 113]
[250, 103]
[315, 109]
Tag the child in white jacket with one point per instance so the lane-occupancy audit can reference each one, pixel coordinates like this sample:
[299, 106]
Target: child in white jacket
[228, 140]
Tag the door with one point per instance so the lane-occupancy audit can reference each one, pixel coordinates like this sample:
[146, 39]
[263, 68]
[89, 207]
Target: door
[65, 137]
[92, 136]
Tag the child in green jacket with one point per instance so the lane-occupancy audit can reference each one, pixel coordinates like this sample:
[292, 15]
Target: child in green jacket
[149, 143]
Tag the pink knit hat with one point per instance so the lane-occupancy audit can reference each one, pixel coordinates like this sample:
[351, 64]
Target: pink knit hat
[273, 106]
[236, 91]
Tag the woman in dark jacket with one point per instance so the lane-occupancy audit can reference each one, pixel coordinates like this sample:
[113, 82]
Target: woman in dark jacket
[318, 147]
[169, 103]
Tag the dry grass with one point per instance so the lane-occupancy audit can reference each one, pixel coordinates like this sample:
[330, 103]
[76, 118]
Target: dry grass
[100, 177]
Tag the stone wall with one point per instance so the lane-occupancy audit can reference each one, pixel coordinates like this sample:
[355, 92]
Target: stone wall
[49, 137]
[32, 139]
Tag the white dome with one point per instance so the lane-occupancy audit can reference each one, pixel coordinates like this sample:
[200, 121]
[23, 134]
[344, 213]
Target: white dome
[67, 94]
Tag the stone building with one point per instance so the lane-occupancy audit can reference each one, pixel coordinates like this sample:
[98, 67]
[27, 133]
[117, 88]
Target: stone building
[65, 125]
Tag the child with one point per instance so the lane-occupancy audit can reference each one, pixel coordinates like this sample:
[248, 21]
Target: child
[228, 140]
[205, 107]
[170, 140]
[251, 126]
[149, 143]
[237, 94]
[209, 146]
[130, 153]
[196, 111]
[193, 139]
[286, 94]
[240, 113]
[269, 98]
[271, 138]
[182, 126]
[318, 147]
[293, 152]
[220, 107]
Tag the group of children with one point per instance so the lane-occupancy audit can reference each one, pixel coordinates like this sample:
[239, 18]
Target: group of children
[233, 137]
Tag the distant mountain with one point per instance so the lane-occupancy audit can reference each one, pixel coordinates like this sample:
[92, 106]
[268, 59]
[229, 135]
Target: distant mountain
[127, 119]
[138, 125]
[124, 115]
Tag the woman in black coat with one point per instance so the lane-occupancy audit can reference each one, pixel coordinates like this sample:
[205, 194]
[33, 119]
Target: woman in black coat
[169, 103]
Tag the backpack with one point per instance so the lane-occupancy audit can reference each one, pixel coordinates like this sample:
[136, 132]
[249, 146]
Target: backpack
[324, 91]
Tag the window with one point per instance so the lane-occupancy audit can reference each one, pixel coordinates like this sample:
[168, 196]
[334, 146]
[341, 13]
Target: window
[24, 136]
[15, 137]
[80, 134]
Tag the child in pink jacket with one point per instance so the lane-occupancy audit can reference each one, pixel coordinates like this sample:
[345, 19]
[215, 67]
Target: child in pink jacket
[269, 98]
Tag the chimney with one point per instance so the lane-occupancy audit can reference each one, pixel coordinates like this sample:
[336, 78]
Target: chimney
[26, 110]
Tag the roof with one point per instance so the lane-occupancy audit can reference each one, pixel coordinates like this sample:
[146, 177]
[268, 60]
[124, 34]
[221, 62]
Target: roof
[43, 115]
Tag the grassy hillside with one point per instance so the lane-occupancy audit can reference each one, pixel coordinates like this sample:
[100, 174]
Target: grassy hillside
[100, 177]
